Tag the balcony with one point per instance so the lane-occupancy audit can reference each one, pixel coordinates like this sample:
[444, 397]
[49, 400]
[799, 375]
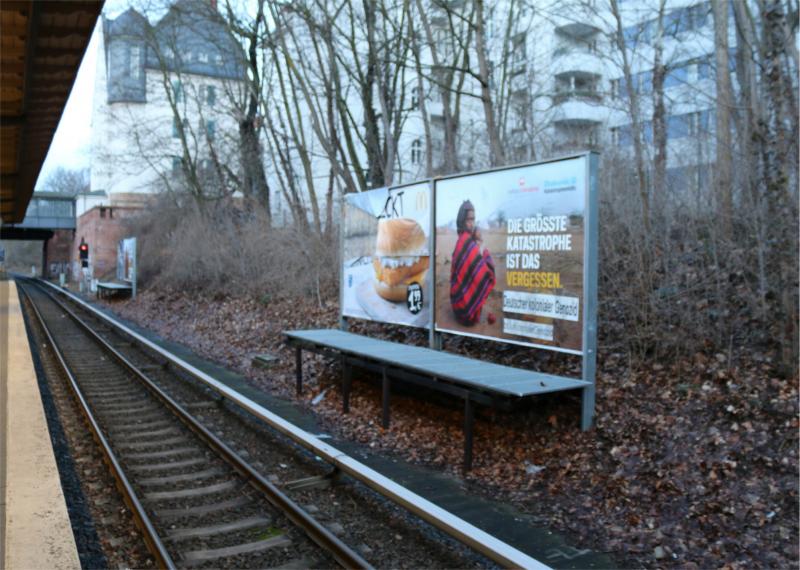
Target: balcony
[580, 145]
[576, 20]
[569, 60]
[578, 108]
[586, 95]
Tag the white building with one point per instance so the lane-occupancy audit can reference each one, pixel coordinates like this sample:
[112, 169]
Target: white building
[164, 103]
[557, 84]
[556, 80]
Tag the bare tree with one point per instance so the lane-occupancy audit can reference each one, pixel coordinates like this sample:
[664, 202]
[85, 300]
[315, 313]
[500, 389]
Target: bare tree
[722, 171]
[250, 32]
[67, 181]
[635, 114]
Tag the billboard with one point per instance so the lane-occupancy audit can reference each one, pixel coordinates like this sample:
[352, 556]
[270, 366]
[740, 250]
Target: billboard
[509, 254]
[386, 255]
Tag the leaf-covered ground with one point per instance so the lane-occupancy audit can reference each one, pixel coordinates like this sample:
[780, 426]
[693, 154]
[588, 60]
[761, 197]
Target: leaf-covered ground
[693, 463]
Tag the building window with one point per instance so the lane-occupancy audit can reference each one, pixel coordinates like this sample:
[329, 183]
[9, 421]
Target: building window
[177, 126]
[134, 62]
[210, 128]
[615, 88]
[676, 76]
[211, 95]
[177, 90]
[414, 98]
[416, 152]
[679, 126]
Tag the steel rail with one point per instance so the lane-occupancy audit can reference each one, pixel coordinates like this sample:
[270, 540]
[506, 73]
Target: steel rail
[493, 548]
[342, 553]
[151, 538]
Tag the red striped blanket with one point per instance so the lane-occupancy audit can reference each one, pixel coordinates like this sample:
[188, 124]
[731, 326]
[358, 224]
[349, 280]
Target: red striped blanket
[471, 279]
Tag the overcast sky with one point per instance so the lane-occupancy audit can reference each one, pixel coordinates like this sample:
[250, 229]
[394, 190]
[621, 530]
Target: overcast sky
[72, 142]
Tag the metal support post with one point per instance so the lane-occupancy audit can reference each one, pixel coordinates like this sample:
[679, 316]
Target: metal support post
[298, 363]
[385, 399]
[469, 422]
[347, 379]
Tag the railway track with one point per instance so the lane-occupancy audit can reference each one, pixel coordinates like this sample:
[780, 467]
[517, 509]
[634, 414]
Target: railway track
[197, 502]
[214, 480]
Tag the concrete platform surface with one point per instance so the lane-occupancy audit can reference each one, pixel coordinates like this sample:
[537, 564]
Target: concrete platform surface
[35, 530]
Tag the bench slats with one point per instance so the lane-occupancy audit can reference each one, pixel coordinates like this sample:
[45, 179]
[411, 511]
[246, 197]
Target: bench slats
[495, 378]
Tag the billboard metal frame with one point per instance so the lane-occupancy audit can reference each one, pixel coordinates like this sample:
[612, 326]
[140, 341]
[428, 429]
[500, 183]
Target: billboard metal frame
[590, 274]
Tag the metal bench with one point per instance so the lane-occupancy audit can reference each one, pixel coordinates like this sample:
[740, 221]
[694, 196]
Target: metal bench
[109, 288]
[473, 380]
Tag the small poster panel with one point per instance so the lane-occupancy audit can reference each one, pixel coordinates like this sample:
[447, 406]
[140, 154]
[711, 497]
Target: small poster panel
[126, 259]
[386, 255]
[510, 253]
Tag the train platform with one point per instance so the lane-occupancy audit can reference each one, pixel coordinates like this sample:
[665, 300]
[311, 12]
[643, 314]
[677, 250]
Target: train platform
[35, 529]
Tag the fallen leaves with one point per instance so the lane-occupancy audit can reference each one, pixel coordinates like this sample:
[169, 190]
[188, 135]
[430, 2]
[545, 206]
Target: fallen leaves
[692, 463]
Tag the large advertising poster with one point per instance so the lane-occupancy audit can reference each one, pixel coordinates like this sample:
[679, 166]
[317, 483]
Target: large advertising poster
[509, 255]
[386, 256]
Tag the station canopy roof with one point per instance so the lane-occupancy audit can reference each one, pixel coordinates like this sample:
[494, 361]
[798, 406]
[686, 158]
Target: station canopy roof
[41, 47]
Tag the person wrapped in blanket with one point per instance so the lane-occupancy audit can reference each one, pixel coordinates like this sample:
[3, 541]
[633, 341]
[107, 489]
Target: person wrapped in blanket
[472, 275]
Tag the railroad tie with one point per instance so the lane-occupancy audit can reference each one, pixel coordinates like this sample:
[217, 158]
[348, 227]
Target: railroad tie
[194, 492]
[156, 467]
[137, 427]
[161, 454]
[199, 557]
[137, 435]
[124, 444]
[200, 510]
[196, 476]
[213, 530]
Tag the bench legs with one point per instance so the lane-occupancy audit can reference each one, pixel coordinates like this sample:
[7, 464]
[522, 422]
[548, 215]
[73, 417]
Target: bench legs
[469, 422]
[385, 418]
[347, 380]
[298, 364]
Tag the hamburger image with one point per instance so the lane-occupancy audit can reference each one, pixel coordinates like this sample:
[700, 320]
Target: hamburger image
[401, 257]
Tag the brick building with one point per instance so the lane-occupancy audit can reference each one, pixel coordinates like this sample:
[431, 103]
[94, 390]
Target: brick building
[101, 227]
[58, 254]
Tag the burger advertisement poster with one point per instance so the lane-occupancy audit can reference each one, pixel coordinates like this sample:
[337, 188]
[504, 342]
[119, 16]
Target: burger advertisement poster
[387, 257]
[509, 255]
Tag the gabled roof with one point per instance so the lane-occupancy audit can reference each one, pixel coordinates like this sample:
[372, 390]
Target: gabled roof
[192, 37]
[130, 22]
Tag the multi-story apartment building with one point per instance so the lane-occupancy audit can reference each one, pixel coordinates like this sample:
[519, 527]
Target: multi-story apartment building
[686, 44]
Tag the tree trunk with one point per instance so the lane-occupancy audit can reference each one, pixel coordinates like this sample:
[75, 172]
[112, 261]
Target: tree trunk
[496, 154]
[372, 135]
[723, 183]
[636, 123]
[659, 118]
